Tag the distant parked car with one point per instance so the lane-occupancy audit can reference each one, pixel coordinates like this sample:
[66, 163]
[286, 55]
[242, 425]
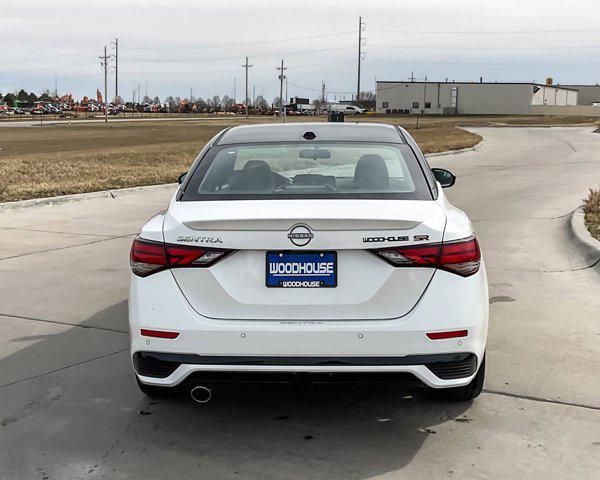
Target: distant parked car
[39, 111]
[7, 112]
[18, 111]
[53, 109]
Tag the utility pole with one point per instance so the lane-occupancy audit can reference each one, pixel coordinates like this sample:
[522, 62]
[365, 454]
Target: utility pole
[234, 92]
[116, 45]
[191, 96]
[412, 76]
[246, 66]
[146, 96]
[322, 91]
[361, 40]
[424, 96]
[55, 86]
[281, 79]
[104, 64]
[253, 94]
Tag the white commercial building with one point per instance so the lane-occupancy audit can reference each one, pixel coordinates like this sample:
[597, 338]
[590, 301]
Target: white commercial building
[463, 98]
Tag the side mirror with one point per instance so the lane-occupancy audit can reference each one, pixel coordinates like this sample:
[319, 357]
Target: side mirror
[446, 178]
[181, 177]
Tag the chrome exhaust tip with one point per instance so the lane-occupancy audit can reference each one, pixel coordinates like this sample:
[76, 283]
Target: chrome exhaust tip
[201, 394]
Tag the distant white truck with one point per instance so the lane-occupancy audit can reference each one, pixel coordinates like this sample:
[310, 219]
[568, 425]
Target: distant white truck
[346, 109]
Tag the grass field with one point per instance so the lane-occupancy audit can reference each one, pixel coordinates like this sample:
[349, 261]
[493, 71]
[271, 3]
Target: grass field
[58, 159]
[591, 210]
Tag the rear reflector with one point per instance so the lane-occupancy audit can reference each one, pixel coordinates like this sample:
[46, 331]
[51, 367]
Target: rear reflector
[159, 333]
[462, 257]
[443, 335]
[148, 257]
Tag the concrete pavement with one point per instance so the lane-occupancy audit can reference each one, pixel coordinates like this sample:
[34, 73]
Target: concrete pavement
[69, 407]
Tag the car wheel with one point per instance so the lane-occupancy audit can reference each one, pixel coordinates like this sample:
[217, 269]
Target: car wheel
[470, 391]
[154, 391]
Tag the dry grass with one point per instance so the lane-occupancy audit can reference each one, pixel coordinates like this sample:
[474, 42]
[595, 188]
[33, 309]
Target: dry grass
[62, 159]
[591, 210]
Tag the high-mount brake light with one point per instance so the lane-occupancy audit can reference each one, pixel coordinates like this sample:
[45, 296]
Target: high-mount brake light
[148, 257]
[462, 257]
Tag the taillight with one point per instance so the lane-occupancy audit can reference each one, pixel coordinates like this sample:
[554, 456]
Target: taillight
[148, 257]
[461, 257]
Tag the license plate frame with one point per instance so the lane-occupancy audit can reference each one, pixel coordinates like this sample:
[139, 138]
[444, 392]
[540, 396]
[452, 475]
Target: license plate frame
[327, 280]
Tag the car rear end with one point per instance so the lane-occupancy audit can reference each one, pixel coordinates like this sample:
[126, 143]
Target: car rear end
[322, 251]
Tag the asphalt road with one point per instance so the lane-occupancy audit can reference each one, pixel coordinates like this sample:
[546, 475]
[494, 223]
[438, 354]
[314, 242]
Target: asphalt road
[69, 407]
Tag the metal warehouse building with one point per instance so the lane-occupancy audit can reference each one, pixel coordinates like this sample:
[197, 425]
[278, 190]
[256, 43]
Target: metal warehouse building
[471, 98]
[586, 94]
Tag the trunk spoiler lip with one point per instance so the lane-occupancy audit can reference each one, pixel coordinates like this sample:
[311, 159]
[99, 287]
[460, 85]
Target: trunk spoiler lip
[317, 224]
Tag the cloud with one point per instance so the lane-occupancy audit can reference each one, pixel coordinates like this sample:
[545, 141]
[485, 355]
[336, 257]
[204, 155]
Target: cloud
[178, 45]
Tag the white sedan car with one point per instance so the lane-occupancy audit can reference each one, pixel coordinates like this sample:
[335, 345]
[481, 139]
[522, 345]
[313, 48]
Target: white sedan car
[325, 251]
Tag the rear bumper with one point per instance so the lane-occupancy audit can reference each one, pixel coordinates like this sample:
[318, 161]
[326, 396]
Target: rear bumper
[437, 370]
[317, 347]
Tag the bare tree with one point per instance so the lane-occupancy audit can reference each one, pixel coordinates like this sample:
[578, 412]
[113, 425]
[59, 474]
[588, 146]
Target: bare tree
[228, 103]
[260, 103]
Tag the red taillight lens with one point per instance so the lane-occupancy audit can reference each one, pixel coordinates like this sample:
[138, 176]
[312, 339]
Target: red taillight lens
[149, 257]
[422, 255]
[461, 257]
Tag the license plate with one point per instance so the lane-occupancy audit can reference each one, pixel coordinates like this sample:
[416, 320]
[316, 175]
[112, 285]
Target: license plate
[301, 269]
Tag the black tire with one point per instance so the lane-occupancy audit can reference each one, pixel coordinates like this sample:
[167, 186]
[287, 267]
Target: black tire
[470, 391]
[153, 391]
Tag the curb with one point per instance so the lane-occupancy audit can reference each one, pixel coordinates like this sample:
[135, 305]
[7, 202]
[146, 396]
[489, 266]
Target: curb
[455, 152]
[587, 245]
[38, 202]
[77, 197]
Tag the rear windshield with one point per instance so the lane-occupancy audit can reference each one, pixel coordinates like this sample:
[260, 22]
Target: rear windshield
[295, 170]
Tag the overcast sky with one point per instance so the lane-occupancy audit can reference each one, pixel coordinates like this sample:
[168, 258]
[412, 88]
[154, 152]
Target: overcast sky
[176, 45]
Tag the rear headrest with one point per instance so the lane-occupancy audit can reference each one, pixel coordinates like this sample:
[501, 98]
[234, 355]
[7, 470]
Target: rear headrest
[255, 177]
[371, 173]
[255, 163]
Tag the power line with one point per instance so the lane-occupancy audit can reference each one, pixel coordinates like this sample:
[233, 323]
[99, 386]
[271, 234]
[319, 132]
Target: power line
[258, 42]
[206, 72]
[443, 47]
[197, 59]
[487, 32]
[437, 62]
[51, 57]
